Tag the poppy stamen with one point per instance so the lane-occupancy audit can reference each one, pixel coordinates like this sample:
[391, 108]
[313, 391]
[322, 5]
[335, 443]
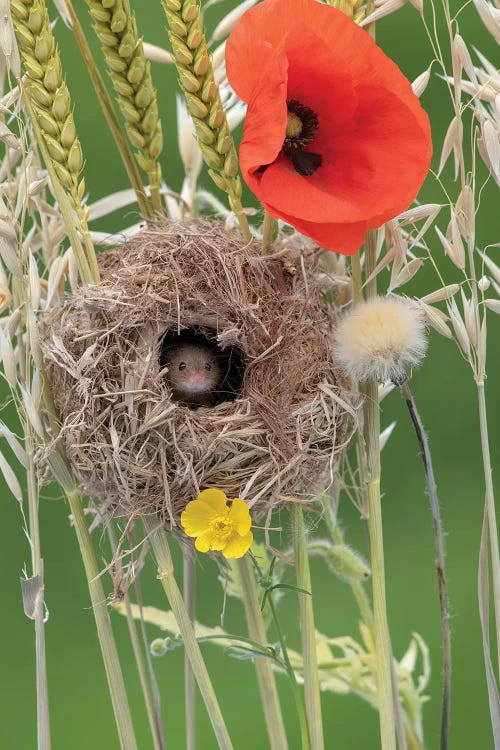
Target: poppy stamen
[301, 127]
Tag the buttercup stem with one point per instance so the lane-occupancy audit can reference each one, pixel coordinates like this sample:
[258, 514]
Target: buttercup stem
[308, 630]
[166, 576]
[297, 694]
[265, 673]
[103, 624]
[440, 560]
[189, 590]
[372, 441]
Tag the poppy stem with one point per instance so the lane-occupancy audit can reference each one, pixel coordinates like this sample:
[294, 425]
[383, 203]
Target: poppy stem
[159, 543]
[265, 673]
[440, 556]
[308, 630]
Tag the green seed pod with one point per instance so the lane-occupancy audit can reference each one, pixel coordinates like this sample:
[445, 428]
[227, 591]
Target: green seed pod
[209, 90]
[196, 107]
[175, 25]
[137, 67]
[150, 118]
[128, 110]
[47, 123]
[55, 149]
[173, 5]
[68, 132]
[61, 105]
[219, 180]
[33, 67]
[64, 176]
[100, 14]
[345, 562]
[53, 75]
[127, 45]
[108, 3]
[122, 87]
[211, 157]
[119, 21]
[188, 80]
[145, 94]
[201, 61]
[105, 35]
[136, 137]
[44, 48]
[216, 117]
[203, 132]
[156, 145]
[36, 19]
[181, 53]
[231, 164]
[224, 142]
[189, 10]
[114, 61]
[40, 95]
[195, 35]
[75, 157]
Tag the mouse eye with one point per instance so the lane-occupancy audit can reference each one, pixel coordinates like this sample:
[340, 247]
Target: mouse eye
[208, 366]
[182, 365]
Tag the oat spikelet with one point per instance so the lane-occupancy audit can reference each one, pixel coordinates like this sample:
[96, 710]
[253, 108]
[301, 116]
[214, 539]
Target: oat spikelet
[50, 96]
[351, 8]
[196, 78]
[130, 72]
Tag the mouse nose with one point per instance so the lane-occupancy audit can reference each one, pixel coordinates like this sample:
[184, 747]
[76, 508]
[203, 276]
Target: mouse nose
[198, 381]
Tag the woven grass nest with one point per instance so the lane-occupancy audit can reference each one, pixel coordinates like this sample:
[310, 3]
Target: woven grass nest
[131, 444]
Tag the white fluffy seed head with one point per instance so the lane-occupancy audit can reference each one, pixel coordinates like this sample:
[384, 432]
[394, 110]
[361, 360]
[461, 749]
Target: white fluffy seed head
[381, 339]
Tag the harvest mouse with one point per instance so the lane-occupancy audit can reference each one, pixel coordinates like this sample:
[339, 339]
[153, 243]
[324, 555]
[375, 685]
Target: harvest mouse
[193, 373]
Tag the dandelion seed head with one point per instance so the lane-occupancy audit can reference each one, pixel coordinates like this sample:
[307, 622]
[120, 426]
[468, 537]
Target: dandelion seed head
[381, 339]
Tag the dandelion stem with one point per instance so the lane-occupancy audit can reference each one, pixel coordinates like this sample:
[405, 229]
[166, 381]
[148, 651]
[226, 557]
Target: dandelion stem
[104, 630]
[304, 732]
[372, 441]
[265, 674]
[267, 232]
[440, 560]
[109, 114]
[308, 630]
[189, 590]
[166, 575]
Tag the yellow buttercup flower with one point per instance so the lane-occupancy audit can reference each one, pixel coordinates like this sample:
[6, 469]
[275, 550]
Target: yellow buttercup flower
[217, 526]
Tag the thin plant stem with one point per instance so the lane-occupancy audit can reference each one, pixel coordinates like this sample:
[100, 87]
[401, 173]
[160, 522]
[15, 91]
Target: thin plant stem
[42, 692]
[440, 560]
[189, 591]
[267, 232]
[308, 630]
[104, 630]
[161, 551]
[357, 284]
[154, 717]
[265, 673]
[299, 702]
[372, 442]
[110, 115]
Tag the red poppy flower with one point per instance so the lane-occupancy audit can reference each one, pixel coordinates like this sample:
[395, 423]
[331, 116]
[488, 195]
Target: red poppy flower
[335, 142]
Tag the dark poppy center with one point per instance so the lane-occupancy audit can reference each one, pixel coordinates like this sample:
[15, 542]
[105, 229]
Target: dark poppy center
[301, 127]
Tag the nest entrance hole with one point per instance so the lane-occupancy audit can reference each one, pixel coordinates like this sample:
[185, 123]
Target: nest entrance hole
[230, 360]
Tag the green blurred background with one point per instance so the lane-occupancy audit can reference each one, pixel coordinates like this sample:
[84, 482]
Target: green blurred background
[81, 712]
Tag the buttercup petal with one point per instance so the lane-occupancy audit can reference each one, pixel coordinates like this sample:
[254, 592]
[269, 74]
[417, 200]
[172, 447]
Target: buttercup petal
[238, 546]
[239, 516]
[209, 542]
[196, 516]
[215, 499]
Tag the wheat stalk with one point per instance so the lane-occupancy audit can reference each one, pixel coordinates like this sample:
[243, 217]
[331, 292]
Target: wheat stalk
[130, 73]
[197, 81]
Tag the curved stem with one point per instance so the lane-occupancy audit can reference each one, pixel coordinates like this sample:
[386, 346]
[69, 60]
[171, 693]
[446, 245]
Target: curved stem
[265, 674]
[440, 563]
[308, 630]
